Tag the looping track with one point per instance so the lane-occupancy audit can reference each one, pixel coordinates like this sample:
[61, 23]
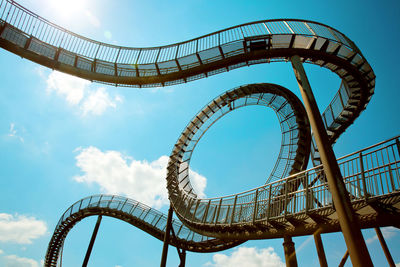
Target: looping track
[265, 212]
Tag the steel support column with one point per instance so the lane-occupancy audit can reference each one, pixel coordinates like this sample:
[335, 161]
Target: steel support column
[348, 221]
[290, 252]
[320, 250]
[90, 247]
[384, 247]
[182, 257]
[166, 238]
[344, 259]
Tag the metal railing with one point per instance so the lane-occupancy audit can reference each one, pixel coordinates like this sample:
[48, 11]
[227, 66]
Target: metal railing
[368, 174]
[33, 33]
[142, 212]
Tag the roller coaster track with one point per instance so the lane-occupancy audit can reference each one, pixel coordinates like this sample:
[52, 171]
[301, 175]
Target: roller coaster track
[293, 201]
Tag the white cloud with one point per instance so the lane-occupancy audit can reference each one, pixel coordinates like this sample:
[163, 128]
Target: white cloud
[387, 232]
[20, 229]
[98, 101]
[78, 92]
[1, 251]
[13, 132]
[16, 261]
[70, 87]
[116, 173]
[250, 256]
[398, 264]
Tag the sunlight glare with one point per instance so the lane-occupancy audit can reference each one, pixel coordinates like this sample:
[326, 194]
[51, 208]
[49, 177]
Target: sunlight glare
[68, 8]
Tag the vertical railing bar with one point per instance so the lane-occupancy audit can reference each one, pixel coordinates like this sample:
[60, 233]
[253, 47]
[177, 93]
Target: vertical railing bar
[397, 167]
[116, 58]
[391, 179]
[43, 38]
[67, 45]
[29, 24]
[4, 10]
[51, 33]
[219, 209]
[373, 172]
[334, 35]
[206, 211]
[363, 176]
[36, 27]
[233, 209]
[72, 44]
[12, 14]
[20, 17]
[227, 214]
[62, 36]
[213, 215]
[290, 28]
[23, 27]
[195, 209]
[384, 170]
[86, 48]
[255, 206]
[41, 25]
[309, 27]
[1, 3]
[158, 54]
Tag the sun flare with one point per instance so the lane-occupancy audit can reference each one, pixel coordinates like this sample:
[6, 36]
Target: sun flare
[68, 8]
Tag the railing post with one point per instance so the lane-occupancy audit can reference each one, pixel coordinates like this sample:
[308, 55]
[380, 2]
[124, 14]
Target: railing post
[363, 177]
[206, 211]
[398, 145]
[391, 178]
[255, 206]
[269, 202]
[233, 210]
[286, 196]
[219, 209]
[195, 210]
[307, 194]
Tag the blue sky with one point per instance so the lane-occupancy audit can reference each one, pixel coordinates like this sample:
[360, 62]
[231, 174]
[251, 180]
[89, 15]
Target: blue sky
[62, 138]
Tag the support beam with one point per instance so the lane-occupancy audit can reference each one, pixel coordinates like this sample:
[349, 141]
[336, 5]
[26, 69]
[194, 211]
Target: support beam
[166, 238]
[344, 259]
[89, 250]
[358, 252]
[290, 252]
[384, 247]
[182, 257]
[320, 250]
[181, 252]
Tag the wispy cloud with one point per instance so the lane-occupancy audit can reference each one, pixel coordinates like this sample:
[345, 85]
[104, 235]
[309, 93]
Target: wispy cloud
[16, 261]
[387, 232]
[20, 229]
[116, 173]
[248, 256]
[70, 87]
[13, 132]
[81, 94]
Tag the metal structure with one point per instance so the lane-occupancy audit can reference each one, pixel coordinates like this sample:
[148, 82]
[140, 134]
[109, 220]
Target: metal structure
[371, 175]
[294, 201]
